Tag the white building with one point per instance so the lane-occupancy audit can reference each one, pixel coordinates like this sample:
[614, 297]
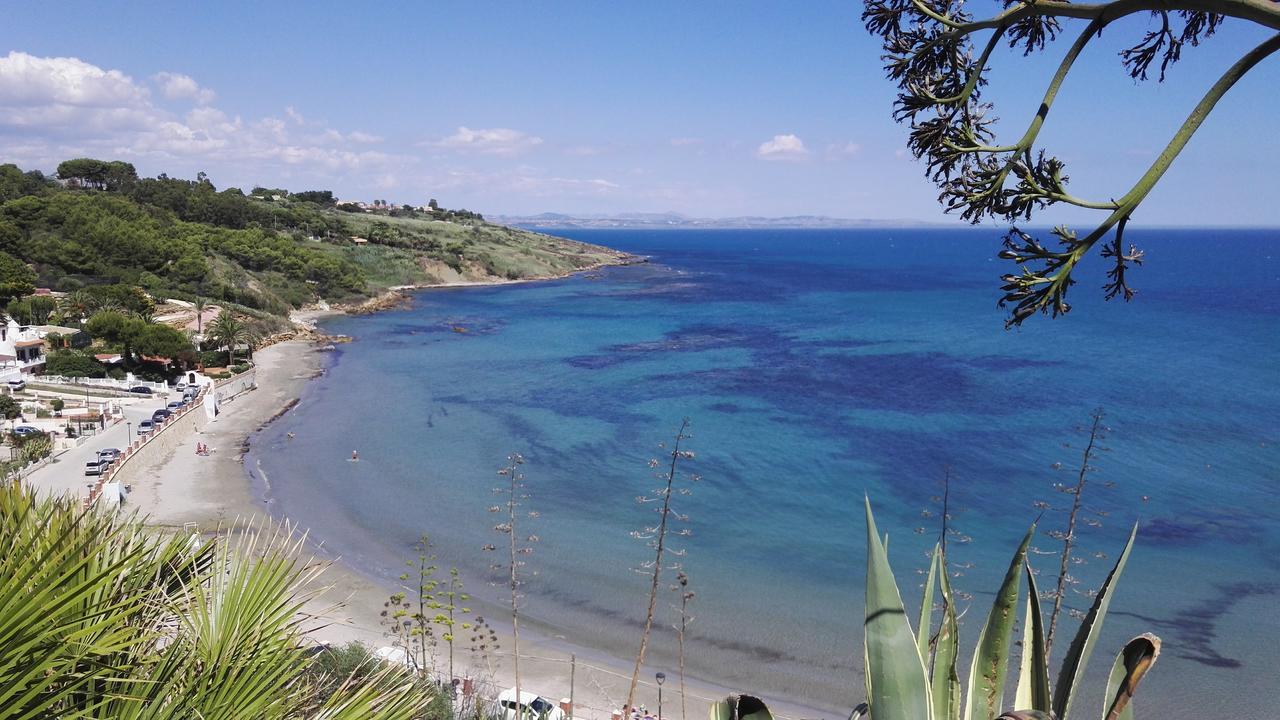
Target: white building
[23, 347]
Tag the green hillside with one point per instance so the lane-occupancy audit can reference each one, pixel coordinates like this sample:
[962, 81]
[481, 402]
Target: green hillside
[270, 250]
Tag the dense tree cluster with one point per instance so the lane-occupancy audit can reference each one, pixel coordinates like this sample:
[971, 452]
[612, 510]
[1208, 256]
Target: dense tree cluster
[98, 174]
[170, 236]
[73, 363]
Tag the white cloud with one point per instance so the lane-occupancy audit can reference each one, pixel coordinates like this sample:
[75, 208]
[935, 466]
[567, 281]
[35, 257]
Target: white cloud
[847, 150]
[363, 138]
[524, 181]
[782, 147]
[491, 141]
[331, 136]
[55, 108]
[29, 81]
[176, 86]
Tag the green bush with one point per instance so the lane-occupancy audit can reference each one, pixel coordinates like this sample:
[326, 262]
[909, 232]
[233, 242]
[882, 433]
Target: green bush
[9, 408]
[239, 368]
[73, 363]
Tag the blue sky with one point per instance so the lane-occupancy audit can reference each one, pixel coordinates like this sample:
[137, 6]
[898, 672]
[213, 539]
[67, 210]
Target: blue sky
[708, 109]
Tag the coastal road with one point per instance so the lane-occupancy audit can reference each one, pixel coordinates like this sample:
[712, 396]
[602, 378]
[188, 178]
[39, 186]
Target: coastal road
[66, 472]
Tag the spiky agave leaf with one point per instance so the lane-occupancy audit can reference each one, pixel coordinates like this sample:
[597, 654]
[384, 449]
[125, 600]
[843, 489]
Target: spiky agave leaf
[1033, 675]
[945, 682]
[897, 685]
[1077, 658]
[924, 628]
[991, 658]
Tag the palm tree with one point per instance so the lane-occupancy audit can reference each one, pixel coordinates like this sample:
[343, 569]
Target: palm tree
[101, 618]
[200, 303]
[226, 331]
[78, 305]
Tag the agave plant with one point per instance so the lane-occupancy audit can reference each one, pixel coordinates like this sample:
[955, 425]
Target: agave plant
[912, 675]
[101, 618]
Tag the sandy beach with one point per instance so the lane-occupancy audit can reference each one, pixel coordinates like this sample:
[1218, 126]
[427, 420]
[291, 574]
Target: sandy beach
[218, 493]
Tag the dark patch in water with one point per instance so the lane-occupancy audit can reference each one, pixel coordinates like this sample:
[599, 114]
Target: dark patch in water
[1004, 363]
[694, 338]
[1202, 525]
[454, 325]
[726, 408]
[1195, 627]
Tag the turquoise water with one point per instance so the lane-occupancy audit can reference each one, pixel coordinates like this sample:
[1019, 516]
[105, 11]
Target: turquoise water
[816, 366]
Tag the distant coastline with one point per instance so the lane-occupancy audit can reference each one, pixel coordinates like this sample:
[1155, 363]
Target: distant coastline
[676, 221]
[399, 296]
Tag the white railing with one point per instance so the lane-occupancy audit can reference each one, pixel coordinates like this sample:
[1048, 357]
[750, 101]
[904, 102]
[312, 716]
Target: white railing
[109, 383]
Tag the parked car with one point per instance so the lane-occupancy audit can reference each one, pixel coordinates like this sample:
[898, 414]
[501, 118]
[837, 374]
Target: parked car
[180, 386]
[25, 430]
[531, 706]
[160, 415]
[145, 427]
[16, 385]
[175, 406]
[109, 454]
[140, 390]
[95, 467]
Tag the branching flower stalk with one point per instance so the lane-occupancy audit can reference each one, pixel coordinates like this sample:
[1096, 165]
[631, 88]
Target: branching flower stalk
[929, 53]
[447, 609]
[405, 615]
[947, 531]
[1097, 433]
[657, 537]
[517, 547]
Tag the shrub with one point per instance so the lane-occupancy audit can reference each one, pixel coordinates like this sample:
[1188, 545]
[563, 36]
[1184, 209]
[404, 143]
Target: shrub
[73, 363]
[84, 593]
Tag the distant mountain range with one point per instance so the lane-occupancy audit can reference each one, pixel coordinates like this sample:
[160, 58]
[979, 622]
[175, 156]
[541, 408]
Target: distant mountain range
[655, 221]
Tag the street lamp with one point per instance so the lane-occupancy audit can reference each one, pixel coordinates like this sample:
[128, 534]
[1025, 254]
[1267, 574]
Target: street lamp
[660, 677]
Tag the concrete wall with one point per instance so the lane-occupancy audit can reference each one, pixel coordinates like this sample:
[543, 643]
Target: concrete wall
[237, 384]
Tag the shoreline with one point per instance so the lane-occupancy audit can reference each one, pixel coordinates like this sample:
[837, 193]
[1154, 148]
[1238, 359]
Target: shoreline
[398, 296]
[601, 677]
[222, 493]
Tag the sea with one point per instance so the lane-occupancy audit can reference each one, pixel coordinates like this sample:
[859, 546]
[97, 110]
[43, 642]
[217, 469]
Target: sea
[817, 369]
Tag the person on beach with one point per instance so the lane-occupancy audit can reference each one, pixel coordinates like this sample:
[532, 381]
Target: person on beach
[355, 456]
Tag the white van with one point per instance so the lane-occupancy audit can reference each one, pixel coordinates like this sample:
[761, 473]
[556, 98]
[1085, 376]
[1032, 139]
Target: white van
[531, 706]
